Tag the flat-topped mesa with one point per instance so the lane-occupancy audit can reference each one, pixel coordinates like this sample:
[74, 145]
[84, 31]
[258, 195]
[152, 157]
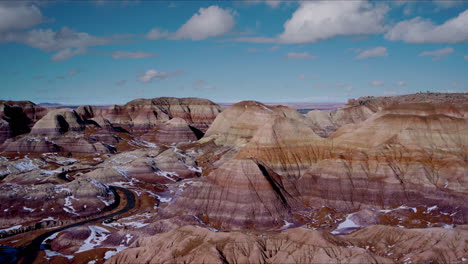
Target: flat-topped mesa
[17, 117]
[142, 115]
[241, 194]
[358, 110]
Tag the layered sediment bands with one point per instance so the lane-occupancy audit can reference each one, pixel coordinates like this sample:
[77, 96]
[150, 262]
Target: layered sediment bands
[241, 194]
[357, 111]
[17, 117]
[413, 126]
[172, 131]
[286, 145]
[237, 125]
[142, 115]
[58, 122]
[376, 244]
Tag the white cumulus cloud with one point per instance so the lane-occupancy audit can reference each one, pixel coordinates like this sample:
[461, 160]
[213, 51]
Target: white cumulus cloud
[375, 52]
[419, 30]
[207, 22]
[16, 16]
[401, 83]
[318, 20]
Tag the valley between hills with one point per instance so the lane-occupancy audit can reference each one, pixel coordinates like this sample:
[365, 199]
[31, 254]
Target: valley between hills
[185, 180]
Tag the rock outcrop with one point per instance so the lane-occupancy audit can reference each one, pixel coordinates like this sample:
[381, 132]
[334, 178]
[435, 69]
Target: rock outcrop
[142, 115]
[358, 110]
[377, 244]
[17, 118]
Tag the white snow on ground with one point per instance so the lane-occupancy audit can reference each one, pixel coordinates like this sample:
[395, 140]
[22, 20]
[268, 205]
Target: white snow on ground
[97, 236]
[286, 225]
[25, 165]
[167, 174]
[28, 209]
[50, 218]
[159, 197]
[177, 151]
[398, 208]
[109, 254]
[5, 172]
[68, 206]
[342, 227]
[128, 238]
[10, 229]
[429, 209]
[62, 188]
[140, 142]
[195, 169]
[448, 226]
[136, 221]
[50, 172]
[50, 253]
[205, 225]
[106, 202]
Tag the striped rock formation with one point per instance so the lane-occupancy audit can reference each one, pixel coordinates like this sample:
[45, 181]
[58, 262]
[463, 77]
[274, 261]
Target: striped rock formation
[172, 131]
[358, 110]
[376, 244]
[142, 115]
[17, 118]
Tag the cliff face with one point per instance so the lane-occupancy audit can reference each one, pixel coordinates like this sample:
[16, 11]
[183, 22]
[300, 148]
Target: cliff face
[18, 117]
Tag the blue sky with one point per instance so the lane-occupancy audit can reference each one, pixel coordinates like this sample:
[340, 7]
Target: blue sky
[106, 52]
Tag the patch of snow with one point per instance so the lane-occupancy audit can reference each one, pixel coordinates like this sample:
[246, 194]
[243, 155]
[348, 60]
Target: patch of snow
[111, 253]
[25, 165]
[92, 262]
[50, 253]
[448, 226]
[28, 209]
[50, 218]
[345, 226]
[429, 209]
[68, 206]
[167, 174]
[10, 229]
[195, 169]
[286, 225]
[97, 236]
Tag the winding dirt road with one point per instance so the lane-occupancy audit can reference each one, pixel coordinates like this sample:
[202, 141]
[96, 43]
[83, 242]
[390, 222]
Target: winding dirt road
[28, 254]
